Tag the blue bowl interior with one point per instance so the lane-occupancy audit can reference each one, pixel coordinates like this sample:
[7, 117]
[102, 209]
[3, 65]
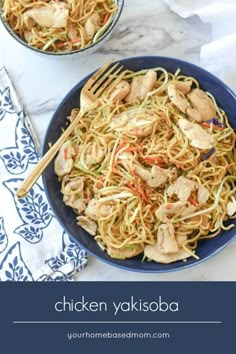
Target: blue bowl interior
[66, 216]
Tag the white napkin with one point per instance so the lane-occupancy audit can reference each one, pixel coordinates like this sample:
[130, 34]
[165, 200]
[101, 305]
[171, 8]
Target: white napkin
[219, 56]
[33, 246]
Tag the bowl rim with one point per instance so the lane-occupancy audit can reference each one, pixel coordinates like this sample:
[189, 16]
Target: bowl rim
[114, 262]
[106, 34]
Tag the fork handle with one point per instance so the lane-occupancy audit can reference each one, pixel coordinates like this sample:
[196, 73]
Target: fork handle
[46, 159]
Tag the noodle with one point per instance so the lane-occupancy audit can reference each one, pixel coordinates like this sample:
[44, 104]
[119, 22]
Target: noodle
[117, 147]
[59, 26]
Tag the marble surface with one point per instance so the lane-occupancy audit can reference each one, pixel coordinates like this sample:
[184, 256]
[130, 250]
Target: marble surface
[145, 28]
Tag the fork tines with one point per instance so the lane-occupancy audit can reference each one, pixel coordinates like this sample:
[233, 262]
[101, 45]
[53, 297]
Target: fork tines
[109, 79]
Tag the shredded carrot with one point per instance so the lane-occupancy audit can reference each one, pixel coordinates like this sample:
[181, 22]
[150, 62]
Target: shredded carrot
[106, 17]
[159, 158]
[228, 167]
[76, 40]
[130, 149]
[208, 125]
[114, 170]
[143, 195]
[86, 195]
[120, 146]
[133, 173]
[65, 153]
[73, 41]
[193, 201]
[162, 114]
[154, 210]
[155, 160]
[132, 189]
[179, 165]
[60, 45]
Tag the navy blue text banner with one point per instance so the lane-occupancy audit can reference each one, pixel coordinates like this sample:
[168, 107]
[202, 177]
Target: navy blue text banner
[118, 317]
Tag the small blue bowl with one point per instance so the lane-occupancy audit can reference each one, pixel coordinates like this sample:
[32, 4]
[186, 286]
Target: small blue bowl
[72, 54]
[66, 216]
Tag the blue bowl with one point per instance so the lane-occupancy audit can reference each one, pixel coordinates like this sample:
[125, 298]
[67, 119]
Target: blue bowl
[72, 54]
[66, 216]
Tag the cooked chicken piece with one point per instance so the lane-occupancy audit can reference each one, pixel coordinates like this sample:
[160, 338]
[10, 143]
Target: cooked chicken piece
[166, 239]
[153, 252]
[148, 82]
[126, 159]
[125, 252]
[87, 224]
[177, 209]
[184, 86]
[187, 209]
[181, 239]
[119, 92]
[156, 177]
[203, 194]
[72, 31]
[194, 114]
[64, 162]
[167, 248]
[135, 122]
[54, 15]
[134, 93]
[96, 210]
[141, 86]
[91, 210]
[104, 209]
[94, 154]
[92, 25]
[73, 193]
[184, 186]
[202, 103]
[75, 185]
[231, 207]
[177, 97]
[177, 91]
[74, 202]
[198, 137]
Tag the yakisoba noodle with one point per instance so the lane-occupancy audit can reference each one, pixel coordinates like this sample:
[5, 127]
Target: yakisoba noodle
[57, 26]
[140, 182]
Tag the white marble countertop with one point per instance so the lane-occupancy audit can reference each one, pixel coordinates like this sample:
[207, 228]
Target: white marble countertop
[145, 28]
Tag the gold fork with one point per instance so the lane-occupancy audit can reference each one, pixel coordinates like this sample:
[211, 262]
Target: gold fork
[90, 92]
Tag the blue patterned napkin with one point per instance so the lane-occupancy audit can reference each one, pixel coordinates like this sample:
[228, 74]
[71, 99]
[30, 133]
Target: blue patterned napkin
[33, 246]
